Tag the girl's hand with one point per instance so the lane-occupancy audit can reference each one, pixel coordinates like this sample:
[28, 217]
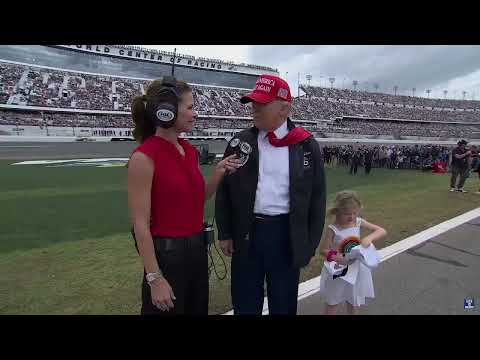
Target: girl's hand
[340, 259]
[228, 165]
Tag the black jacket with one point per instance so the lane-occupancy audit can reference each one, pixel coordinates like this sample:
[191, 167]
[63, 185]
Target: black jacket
[235, 197]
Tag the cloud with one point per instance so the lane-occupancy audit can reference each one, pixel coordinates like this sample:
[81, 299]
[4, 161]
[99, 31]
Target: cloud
[423, 67]
[455, 68]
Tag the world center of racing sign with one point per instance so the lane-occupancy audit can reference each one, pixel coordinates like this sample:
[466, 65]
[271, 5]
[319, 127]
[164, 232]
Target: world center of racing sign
[168, 58]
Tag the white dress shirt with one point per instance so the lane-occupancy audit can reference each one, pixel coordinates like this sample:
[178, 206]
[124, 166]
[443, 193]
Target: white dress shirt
[273, 194]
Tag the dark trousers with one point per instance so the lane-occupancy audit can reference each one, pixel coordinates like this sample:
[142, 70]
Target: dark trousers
[268, 257]
[382, 162]
[392, 163]
[354, 167]
[458, 172]
[185, 267]
[368, 167]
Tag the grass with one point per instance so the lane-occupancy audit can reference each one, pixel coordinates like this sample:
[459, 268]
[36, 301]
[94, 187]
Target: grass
[65, 246]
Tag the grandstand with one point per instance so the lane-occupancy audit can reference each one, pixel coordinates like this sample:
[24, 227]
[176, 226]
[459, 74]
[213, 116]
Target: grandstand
[80, 90]
[363, 114]
[86, 91]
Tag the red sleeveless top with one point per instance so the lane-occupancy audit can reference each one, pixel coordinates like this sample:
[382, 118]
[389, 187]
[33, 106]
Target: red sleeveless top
[178, 188]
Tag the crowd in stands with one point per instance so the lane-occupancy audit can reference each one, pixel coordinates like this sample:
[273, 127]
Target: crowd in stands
[9, 77]
[20, 118]
[382, 98]
[307, 108]
[35, 118]
[401, 128]
[34, 86]
[42, 87]
[219, 101]
[206, 123]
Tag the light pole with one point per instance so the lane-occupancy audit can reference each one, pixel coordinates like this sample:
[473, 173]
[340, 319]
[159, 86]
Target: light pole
[173, 63]
[464, 93]
[332, 80]
[320, 77]
[309, 77]
[395, 88]
[298, 88]
[413, 92]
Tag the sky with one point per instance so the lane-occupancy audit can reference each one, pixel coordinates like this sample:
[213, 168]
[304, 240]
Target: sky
[455, 68]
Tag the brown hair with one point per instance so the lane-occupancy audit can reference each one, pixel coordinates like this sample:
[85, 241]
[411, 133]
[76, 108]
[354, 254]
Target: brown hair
[345, 200]
[144, 125]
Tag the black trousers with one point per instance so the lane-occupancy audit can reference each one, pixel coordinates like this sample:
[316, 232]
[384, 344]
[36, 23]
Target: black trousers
[184, 263]
[458, 172]
[368, 167]
[268, 258]
[354, 167]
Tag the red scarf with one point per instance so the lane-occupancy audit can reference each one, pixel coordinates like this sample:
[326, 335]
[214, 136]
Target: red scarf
[294, 136]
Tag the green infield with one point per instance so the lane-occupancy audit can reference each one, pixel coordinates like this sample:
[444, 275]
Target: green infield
[65, 246]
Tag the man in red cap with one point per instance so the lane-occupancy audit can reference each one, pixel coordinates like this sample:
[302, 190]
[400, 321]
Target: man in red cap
[270, 213]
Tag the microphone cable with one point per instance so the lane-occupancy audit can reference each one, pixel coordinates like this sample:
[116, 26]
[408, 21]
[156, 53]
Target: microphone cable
[211, 265]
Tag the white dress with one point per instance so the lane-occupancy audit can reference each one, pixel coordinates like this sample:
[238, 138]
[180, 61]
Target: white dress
[337, 291]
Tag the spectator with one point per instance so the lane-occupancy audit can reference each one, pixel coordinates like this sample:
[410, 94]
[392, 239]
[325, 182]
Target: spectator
[460, 162]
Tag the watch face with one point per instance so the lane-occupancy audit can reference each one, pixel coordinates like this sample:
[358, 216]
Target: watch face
[153, 276]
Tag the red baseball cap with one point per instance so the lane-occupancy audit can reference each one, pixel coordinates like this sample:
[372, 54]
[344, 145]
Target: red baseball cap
[267, 89]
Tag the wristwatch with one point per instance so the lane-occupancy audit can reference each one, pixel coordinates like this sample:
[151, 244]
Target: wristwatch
[151, 277]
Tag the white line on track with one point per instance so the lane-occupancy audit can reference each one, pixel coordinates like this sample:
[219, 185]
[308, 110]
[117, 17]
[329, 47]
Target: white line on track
[23, 146]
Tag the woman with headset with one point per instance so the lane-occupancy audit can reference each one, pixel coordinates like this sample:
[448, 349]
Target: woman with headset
[166, 195]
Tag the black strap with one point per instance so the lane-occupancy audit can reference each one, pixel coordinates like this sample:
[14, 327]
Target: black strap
[343, 273]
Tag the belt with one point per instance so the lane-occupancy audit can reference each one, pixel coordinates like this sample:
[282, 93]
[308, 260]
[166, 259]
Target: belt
[178, 243]
[270, 218]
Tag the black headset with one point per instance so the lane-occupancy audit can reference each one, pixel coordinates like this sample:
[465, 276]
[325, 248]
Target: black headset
[163, 110]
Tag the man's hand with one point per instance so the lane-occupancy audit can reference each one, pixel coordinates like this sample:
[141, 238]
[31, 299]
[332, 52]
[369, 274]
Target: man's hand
[227, 247]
